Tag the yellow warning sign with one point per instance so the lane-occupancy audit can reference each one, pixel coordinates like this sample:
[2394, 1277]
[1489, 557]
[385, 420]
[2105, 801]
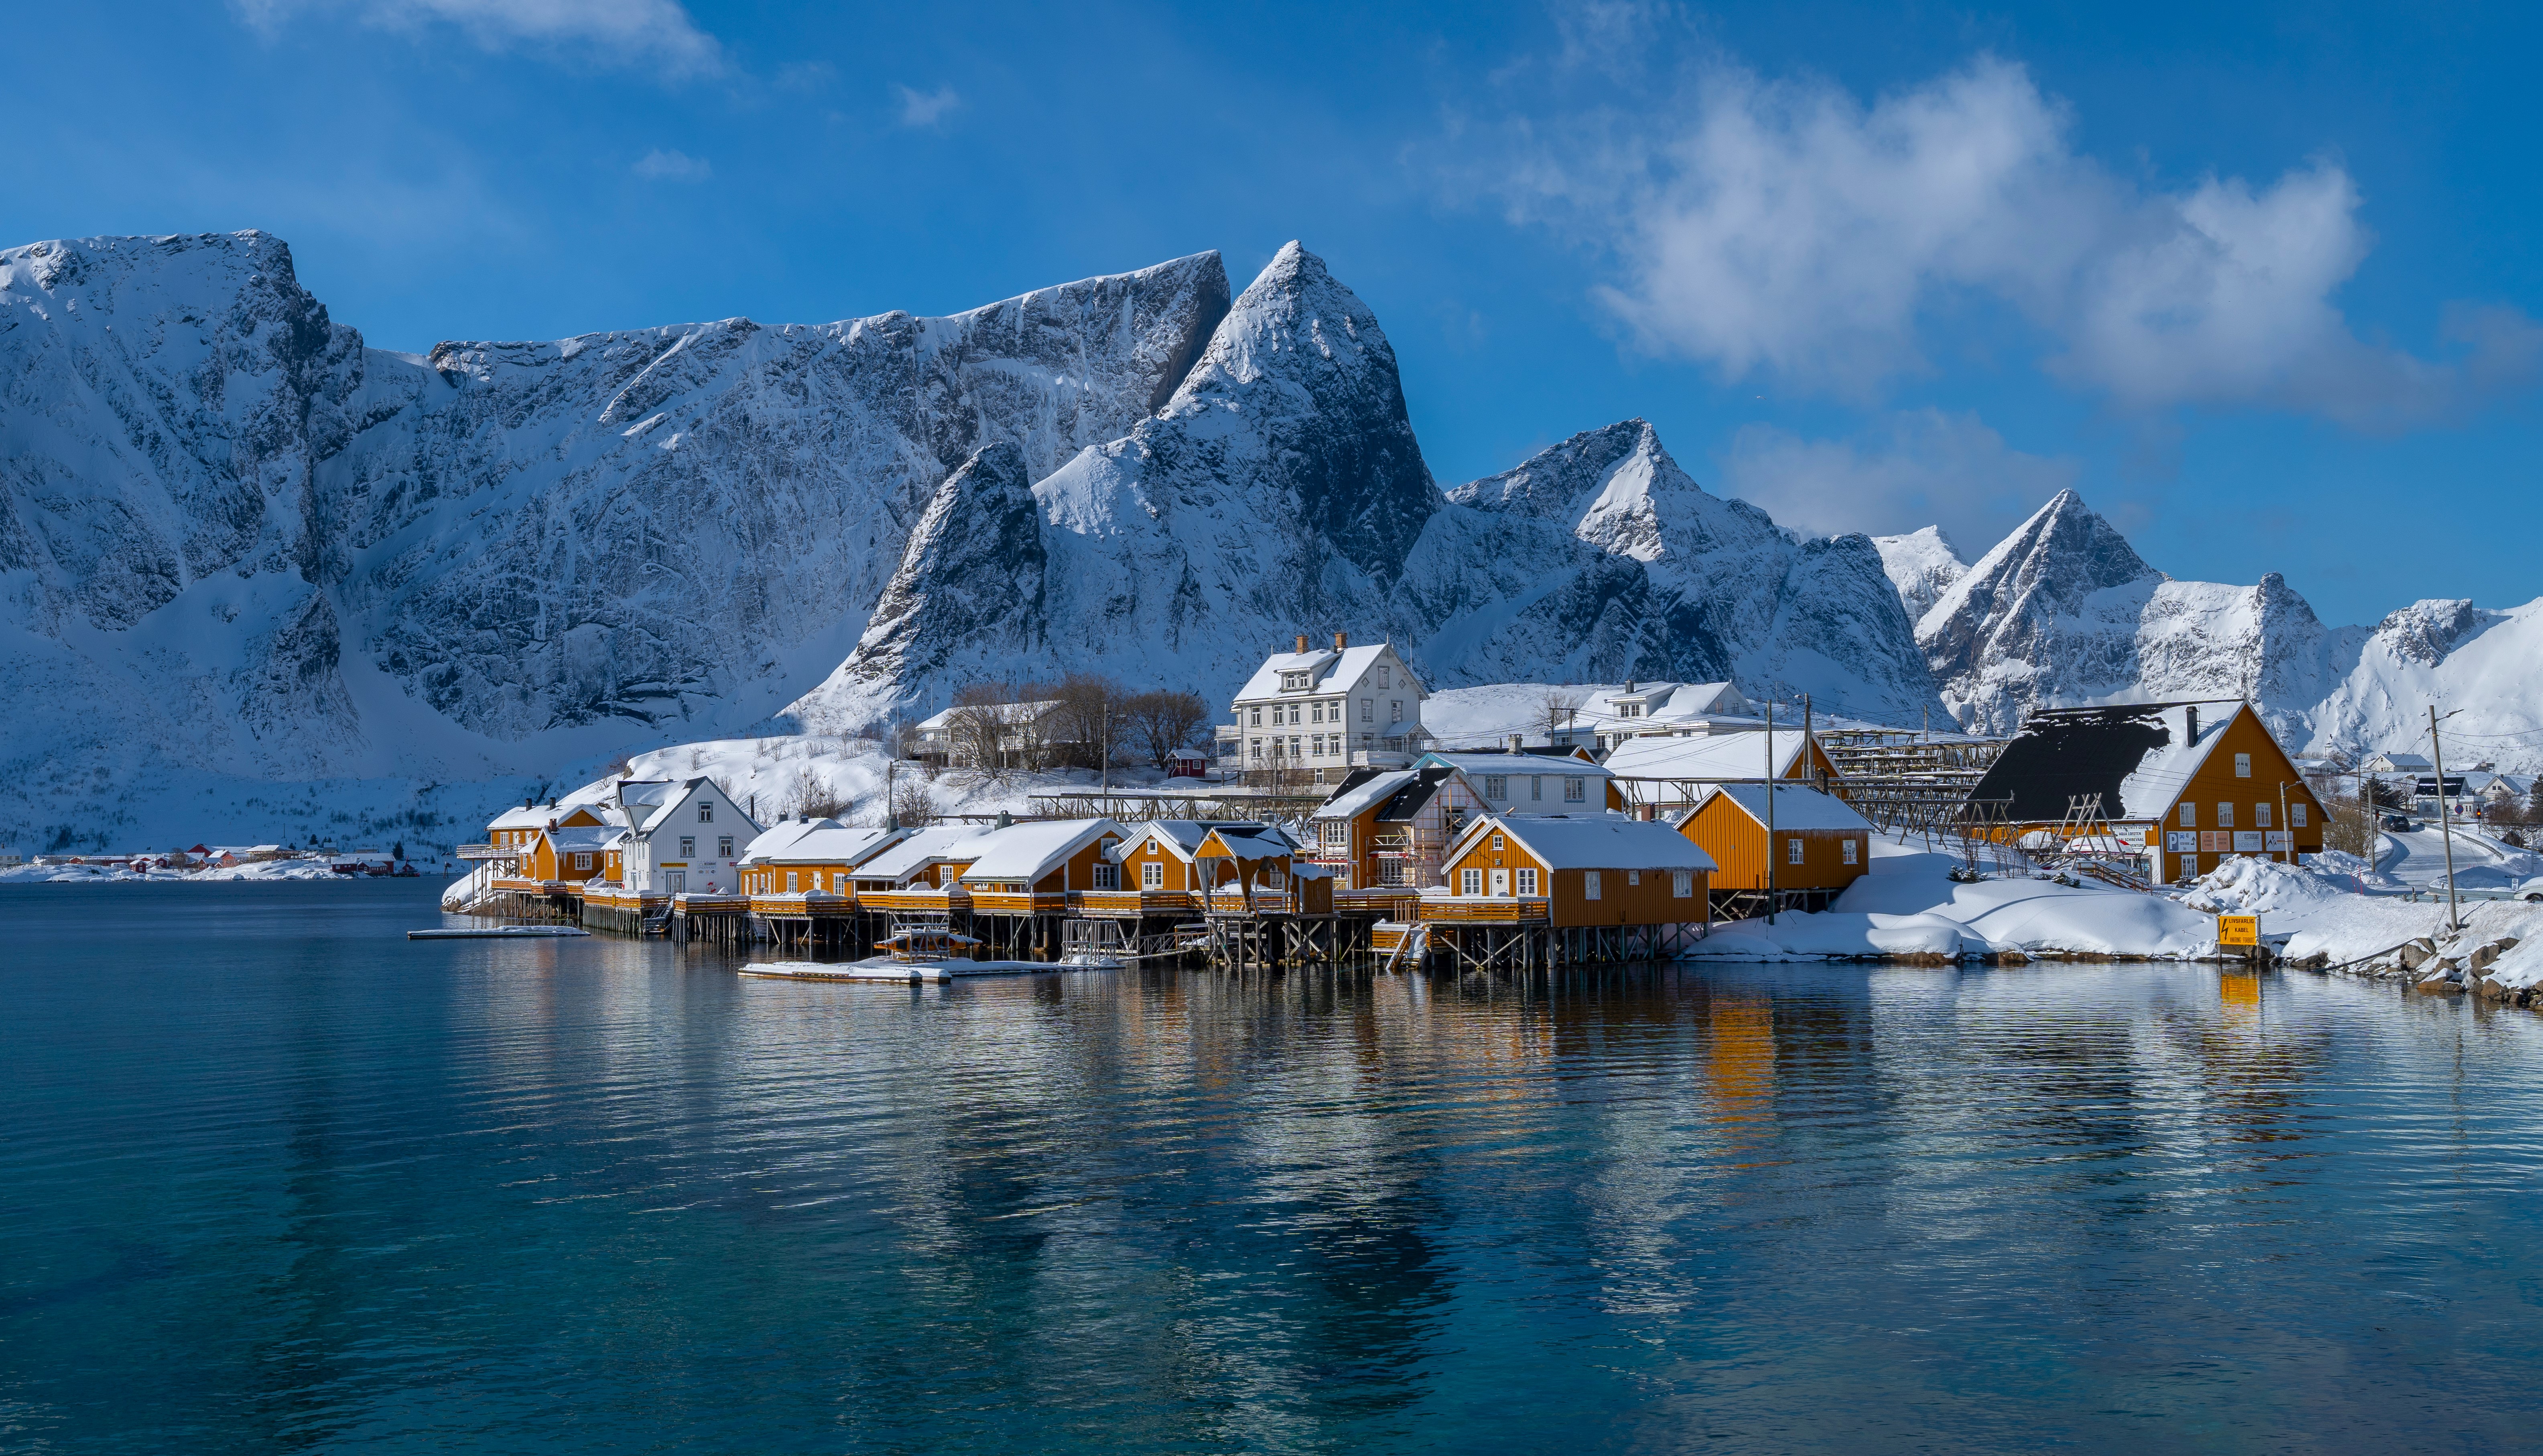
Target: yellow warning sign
[2238, 930]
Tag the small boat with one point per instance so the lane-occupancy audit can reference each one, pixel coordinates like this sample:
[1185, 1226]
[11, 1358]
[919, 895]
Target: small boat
[496, 933]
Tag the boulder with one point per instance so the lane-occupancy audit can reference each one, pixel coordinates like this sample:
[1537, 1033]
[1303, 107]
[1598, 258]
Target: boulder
[2417, 953]
[2488, 951]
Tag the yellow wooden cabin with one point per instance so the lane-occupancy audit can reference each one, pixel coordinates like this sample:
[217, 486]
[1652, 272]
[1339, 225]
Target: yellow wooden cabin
[1256, 868]
[1159, 872]
[921, 873]
[806, 860]
[1034, 868]
[1562, 871]
[2182, 785]
[1818, 847]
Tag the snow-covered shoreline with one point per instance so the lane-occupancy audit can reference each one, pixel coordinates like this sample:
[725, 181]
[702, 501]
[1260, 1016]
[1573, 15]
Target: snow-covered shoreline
[273, 871]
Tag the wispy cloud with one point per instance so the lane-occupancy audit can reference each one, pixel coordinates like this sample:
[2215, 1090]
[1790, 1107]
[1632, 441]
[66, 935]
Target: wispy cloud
[1787, 228]
[663, 166]
[656, 35]
[926, 107]
[1908, 469]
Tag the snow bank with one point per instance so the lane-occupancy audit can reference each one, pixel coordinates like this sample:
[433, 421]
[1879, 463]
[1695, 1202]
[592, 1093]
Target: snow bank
[1907, 904]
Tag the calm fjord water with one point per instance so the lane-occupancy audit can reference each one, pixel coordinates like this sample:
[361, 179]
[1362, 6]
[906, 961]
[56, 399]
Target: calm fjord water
[274, 1178]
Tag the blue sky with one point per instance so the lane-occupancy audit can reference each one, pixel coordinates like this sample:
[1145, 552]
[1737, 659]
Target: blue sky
[2257, 281]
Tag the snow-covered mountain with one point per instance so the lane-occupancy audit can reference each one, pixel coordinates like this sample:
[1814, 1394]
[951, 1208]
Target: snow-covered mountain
[2063, 612]
[1922, 565]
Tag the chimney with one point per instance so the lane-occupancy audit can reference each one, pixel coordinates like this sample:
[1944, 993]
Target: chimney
[1629, 687]
[2193, 727]
[1645, 812]
[1342, 640]
[1516, 743]
[1302, 641]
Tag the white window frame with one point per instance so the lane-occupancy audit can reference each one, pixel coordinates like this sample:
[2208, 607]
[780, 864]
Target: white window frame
[1633, 876]
[2189, 814]
[1852, 852]
[1496, 786]
[1682, 884]
[706, 812]
[2261, 817]
[1574, 791]
[582, 858]
[1108, 877]
[1470, 883]
[1589, 884]
[2296, 815]
[1526, 881]
[688, 847]
[1793, 850]
[2224, 816]
[1152, 875]
[2242, 765]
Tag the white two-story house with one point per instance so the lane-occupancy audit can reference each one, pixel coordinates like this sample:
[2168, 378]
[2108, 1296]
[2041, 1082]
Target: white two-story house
[684, 836]
[1324, 711]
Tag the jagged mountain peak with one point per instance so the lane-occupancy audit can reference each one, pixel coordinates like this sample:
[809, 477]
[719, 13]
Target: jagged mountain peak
[1922, 564]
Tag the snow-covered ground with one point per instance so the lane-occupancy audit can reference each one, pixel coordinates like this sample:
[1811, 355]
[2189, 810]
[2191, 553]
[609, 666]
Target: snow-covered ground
[2482, 860]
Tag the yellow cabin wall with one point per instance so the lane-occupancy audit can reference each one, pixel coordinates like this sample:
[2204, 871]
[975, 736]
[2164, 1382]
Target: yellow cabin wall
[1738, 843]
[1621, 902]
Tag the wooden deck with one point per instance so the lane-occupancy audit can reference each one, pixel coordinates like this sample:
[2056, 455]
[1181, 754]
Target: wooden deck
[1000, 902]
[1125, 904]
[804, 905]
[913, 901]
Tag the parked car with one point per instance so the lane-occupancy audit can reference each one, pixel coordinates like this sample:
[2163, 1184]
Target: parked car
[2400, 823]
[2531, 890]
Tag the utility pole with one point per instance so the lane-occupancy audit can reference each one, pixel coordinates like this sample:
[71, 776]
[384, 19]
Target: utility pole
[2445, 829]
[1770, 812]
[2284, 828]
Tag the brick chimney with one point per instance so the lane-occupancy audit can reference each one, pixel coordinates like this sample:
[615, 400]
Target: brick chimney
[1342, 640]
[1302, 641]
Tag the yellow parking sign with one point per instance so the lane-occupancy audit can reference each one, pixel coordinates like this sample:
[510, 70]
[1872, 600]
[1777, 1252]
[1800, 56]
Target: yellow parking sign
[2238, 930]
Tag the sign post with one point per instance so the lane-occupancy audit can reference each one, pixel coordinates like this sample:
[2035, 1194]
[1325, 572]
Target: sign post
[2240, 930]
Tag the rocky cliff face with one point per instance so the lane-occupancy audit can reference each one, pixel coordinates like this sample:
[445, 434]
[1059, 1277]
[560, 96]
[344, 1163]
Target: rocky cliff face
[1922, 565]
[1601, 559]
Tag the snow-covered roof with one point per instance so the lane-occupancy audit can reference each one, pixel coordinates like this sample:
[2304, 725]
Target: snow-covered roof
[585, 837]
[1255, 841]
[1182, 837]
[1593, 842]
[922, 848]
[818, 842]
[1007, 712]
[1354, 800]
[2167, 768]
[2400, 763]
[1712, 759]
[1516, 764]
[1797, 807]
[1029, 851]
[1330, 669]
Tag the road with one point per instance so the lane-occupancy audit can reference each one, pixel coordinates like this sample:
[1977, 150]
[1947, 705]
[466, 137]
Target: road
[2481, 861]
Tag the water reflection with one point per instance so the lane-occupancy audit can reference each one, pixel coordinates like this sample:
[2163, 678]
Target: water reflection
[611, 1195]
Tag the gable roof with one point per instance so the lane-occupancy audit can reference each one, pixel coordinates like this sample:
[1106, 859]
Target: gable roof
[1252, 842]
[1713, 759]
[1031, 850]
[2139, 756]
[818, 841]
[1592, 842]
[922, 848]
[1331, 670]
[1364, 788]
[1179, 837]
[1797, 807]
[588, 837]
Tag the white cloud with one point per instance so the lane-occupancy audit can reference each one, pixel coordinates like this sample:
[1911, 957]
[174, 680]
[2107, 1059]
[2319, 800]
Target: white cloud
[653, 34]
[926, 107]
[1914, 468]
[662, 166]
[1786, 228]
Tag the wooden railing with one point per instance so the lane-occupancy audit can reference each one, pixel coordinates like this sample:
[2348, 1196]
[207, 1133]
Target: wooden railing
[910, 901]
[1481, 909]
[1011, 902]
[1135, 901]
[802, 902]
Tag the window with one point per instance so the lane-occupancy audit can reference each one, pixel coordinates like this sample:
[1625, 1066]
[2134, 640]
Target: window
[2296, 815]
[706, 812]
[1495, 785]
[1682, 884]
[2242, 765]
[1573, 789]
[1852, 850]
[1589, 884]
[1108, 877]
[583, 861]
[1152, 875]
[1470, 882]
[723, 846]
[1792, 851]
[2261, 815]
[1293, 715]
[1255, 746]
[1527, 881]
[2224, 816]
[1398, 705]
[1497, 844]
[1257, 720]
[1316, 713]
[1369, 709]
[1535, 786]
[1385, 675]
[1293, 737]
[1633, 876]
[2190, 817]
[688, 848]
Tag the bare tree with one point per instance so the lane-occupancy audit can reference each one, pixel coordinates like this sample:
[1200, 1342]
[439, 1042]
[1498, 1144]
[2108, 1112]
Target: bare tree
[1164, 721]
[814, 797]
[1084, 719]
[1559, 707]
[912, 806]
[977, 725]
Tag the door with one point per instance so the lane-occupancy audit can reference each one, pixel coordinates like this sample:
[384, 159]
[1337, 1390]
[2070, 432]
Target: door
[679, 881]
[1501, 881]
